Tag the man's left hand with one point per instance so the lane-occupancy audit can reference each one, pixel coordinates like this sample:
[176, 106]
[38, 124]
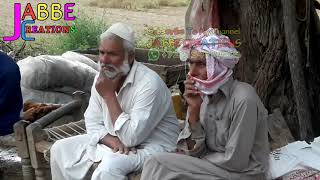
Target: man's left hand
[114, 143]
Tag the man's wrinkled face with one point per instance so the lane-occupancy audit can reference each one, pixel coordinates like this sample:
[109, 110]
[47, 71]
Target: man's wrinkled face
[197, 65]
[111, 51]
[112, 58]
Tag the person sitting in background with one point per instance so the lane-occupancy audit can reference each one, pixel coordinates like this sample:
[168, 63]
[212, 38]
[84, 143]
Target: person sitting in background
[226, 135]
[10, 94]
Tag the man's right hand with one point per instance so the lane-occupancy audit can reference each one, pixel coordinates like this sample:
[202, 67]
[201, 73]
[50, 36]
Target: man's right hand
[194, 100]
[116, 145]
[192, 94]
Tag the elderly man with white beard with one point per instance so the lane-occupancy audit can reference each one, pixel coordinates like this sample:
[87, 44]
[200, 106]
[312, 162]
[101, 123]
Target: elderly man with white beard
[130, 116]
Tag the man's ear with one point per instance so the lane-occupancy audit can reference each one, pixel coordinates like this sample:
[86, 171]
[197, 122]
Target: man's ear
[131, 57]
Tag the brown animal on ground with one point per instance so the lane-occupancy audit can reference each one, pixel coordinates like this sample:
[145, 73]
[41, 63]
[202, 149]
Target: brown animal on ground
[33, 111]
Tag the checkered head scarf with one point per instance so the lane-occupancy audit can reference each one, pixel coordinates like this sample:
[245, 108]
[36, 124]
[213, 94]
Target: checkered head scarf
[221, 57]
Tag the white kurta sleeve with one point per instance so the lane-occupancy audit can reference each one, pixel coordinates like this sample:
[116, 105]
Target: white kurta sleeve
[94, 118]
[151, 103]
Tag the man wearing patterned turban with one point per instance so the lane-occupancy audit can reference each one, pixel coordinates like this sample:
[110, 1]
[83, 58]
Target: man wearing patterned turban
[225, 135]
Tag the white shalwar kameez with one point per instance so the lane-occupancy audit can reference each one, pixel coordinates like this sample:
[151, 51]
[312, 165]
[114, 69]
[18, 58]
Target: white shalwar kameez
[148, 121]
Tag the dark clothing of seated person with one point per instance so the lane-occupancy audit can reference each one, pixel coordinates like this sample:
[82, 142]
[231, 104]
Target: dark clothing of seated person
[10, 94]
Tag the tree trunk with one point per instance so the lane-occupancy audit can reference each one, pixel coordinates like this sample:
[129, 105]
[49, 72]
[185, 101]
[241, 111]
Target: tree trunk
[264, 63]
[296, 69]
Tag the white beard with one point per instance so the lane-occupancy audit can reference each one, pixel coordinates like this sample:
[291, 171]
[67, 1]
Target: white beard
[112, 71]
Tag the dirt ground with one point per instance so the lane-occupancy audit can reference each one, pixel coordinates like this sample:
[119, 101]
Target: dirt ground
[166, 16]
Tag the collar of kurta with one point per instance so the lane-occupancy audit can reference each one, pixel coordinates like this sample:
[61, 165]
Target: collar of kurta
[226, 87]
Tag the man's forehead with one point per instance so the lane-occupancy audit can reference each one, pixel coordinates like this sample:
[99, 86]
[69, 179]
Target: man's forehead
[196, 55]
[114, 44]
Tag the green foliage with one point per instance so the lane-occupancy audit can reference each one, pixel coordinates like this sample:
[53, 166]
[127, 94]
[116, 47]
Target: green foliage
[21, 49]
[86, 35]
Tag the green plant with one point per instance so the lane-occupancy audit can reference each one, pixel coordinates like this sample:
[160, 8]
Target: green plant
[21, 49]
[86, 35]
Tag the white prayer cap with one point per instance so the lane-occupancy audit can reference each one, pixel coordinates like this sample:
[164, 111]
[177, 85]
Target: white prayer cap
[122, 30]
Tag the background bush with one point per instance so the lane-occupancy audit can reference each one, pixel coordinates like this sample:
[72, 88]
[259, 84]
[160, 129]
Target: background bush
[86, 35]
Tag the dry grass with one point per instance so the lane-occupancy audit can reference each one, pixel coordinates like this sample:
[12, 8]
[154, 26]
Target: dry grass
[138, 4]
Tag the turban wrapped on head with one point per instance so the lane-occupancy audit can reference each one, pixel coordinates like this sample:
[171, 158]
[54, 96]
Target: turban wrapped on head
[221, 57]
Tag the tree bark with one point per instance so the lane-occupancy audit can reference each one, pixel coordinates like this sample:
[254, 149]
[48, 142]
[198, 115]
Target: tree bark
[264, 63]
[296, 70]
